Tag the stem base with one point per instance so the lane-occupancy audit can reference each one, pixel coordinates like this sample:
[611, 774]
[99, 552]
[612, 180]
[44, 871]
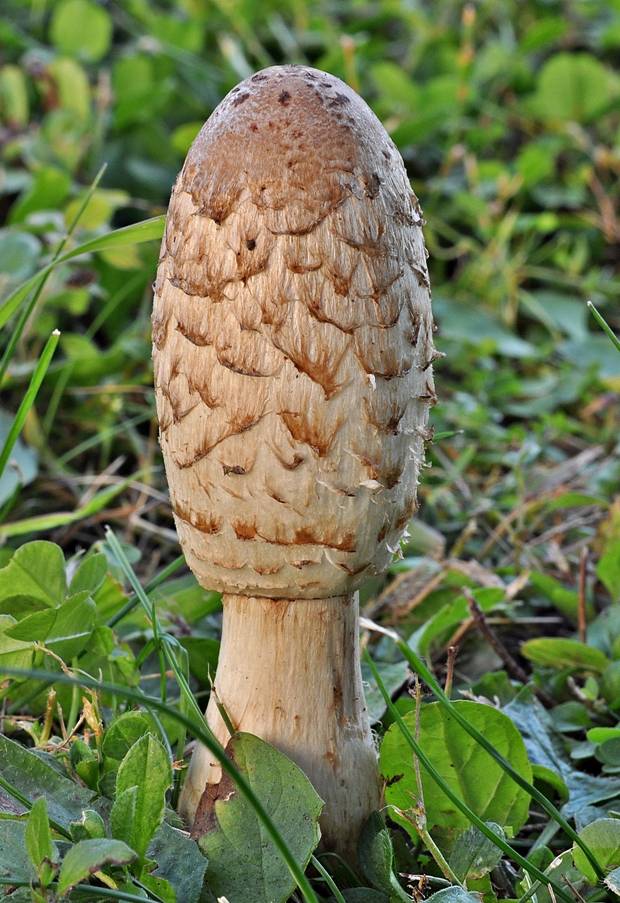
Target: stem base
[289, 673]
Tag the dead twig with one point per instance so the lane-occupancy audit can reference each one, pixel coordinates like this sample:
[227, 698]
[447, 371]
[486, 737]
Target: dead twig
[450, 660]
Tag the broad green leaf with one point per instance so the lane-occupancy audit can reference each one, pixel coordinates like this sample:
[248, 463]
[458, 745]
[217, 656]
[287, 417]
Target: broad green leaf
[142, 780]
[535, 162]
[183, 136]
[552, 779]
[473, 854]
[184, 597]
[34, 578]
[123, 732]
[34, 778]
[159, 886]
[202, 653]
[603, 838]
[608, 567]
[376, 857]
[561, 652]
[609, 753]
[14, 107]
[480, 325]
[14, 653]
[73, 626]
[48, 190]
[450, 616]
[180, 861]
[565, 600]
[90, 826]
[124, 813]
[73, 92]
[453, 895]
[396, 88]
[35, 626]
[610, 685]
[86, 763]
[81, 28]
[593, 353]
[14, 860]
[393, 675]
[573, 86]
[602, 734]
[570, 716]
[133, 84]
[468, 769]
[19, 255]
[241, 854]
[90, 574]
[89, 856]
[38, 837]
[65, 630]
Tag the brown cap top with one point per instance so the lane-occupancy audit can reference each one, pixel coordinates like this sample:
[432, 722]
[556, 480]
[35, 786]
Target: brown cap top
[299, 140]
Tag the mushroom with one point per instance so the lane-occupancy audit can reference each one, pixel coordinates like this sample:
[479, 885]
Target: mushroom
[292, 347]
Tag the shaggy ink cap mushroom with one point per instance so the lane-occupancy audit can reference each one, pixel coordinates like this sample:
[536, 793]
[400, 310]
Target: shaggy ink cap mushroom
[292, 346]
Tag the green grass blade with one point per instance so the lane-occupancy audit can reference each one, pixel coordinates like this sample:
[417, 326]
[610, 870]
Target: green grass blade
[602, 322]
[147, 230]
[456, 800]
[103, 435]
[29, 398]
[28, 308]
[81, 890]
[327, 878]
[163, 641]
[131, 603]
[198, 728]
[136, 234]
[426, 675]
[43, 522]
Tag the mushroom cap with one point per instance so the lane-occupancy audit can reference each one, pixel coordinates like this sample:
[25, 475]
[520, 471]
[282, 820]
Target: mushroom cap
[292, 341]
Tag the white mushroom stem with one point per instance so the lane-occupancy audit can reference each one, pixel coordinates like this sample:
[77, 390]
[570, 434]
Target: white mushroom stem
[289, 671]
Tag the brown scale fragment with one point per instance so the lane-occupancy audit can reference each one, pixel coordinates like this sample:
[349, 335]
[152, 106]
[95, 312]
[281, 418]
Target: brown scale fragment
[305, 429]
[210, 524]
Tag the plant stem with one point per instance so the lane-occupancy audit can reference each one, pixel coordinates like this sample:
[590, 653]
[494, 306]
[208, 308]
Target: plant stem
[29, 398]
[419, 813]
